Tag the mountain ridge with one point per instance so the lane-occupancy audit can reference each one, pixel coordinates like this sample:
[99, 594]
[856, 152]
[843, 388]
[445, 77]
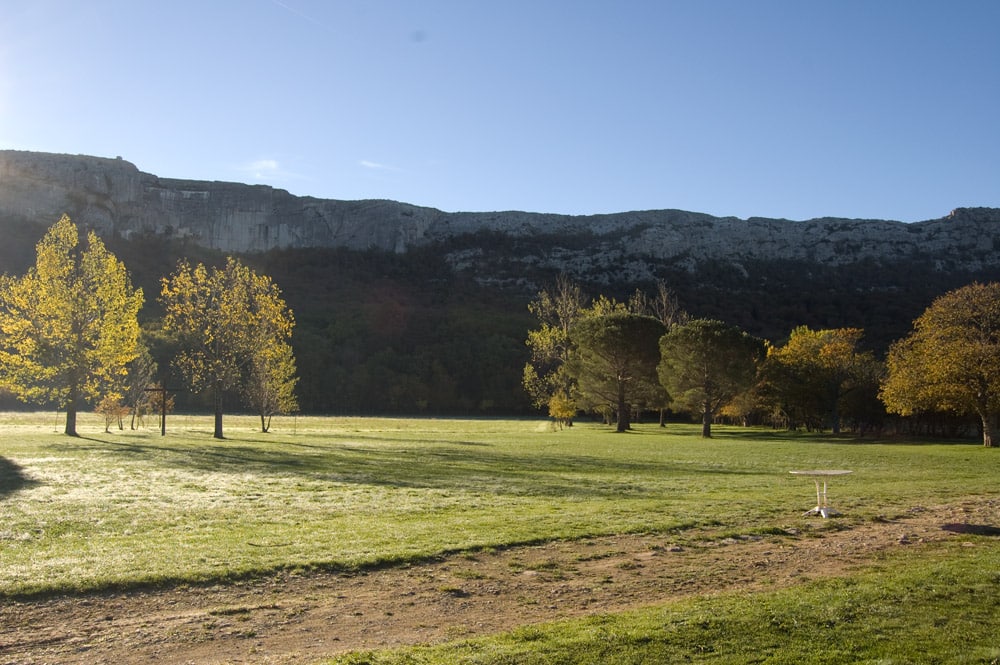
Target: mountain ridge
[112, 196]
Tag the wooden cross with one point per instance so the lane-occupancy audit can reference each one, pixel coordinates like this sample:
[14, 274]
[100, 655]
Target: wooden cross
[163, 390]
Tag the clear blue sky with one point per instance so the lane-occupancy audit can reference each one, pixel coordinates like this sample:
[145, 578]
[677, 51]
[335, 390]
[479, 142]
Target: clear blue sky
[777, 108]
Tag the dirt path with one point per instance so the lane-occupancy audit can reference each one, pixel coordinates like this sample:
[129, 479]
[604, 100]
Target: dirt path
[300, 619]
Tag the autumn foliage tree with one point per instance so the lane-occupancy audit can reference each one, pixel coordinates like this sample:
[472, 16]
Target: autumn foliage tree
[68, 327]
[234, 329]
[112, 410]
[268, 383]
[814, 373]
[951, 359]
[545, 377]
[136, 387]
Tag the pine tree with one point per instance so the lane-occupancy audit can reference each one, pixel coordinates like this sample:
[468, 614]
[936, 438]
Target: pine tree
[615, 360]
[704, 364]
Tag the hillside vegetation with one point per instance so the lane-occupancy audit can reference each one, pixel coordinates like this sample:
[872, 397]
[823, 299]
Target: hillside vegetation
[421, 332]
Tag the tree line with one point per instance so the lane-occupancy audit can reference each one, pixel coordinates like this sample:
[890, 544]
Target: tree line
[410, 335]
[417, 333]
[620, 358]
[70, 334]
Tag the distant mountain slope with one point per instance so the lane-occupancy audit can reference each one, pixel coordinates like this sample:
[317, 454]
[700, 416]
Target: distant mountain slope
[115, 198]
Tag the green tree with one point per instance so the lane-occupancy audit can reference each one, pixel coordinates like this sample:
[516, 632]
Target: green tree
[705, 363]
[665, 306]
[815, 373]
[951, 359]
[69, 325]
[548, 378]
[615, 359]
[233, 327]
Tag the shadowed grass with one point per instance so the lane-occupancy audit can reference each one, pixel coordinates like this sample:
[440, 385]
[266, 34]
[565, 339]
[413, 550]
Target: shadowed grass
[12, 478]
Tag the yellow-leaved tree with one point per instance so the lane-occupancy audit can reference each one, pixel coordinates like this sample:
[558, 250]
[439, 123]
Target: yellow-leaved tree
[268, 384]
[545, 377]
[69, 326]
[813, 377]
[234, 329]
[951, 359]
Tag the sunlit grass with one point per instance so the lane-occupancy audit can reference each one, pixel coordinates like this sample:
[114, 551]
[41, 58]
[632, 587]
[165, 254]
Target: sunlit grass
[131, 507]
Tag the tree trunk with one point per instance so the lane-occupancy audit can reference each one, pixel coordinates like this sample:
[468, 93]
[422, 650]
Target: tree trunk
[71, 421]
[218, 412]
[706, 422]
[987, 419]
[663, 417]
[71, 406]
[623, 411]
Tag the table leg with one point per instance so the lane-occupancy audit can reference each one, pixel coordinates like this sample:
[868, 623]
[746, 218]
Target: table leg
[821, 508]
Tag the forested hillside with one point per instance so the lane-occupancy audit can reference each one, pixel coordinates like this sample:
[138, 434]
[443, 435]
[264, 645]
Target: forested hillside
[440, 329]
[378, 332]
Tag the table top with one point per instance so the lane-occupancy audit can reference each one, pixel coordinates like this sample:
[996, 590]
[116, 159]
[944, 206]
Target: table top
[821, 472]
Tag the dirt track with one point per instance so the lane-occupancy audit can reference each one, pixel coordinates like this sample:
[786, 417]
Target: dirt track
[300, 619]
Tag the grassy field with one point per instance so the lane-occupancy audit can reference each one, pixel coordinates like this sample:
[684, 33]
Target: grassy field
[128, 509]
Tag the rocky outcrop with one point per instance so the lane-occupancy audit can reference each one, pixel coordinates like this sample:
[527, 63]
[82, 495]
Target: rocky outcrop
[112, 196]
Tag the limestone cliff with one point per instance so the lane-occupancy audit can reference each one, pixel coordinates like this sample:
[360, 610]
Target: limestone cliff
[112, 196]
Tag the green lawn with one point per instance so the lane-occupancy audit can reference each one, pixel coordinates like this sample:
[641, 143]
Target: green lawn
[128, 509]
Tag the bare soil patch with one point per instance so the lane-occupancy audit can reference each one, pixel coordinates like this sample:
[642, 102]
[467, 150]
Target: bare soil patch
[302, 618]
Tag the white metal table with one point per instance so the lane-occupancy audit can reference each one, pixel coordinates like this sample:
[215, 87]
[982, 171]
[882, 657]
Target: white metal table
[822, 508]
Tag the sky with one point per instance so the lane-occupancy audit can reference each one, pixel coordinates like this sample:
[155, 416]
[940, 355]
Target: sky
[794, 109]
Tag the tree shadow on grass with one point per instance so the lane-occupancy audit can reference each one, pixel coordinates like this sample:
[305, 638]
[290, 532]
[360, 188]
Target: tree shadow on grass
[760, 434]
[423, 464]
[972, 529]
[12, 478]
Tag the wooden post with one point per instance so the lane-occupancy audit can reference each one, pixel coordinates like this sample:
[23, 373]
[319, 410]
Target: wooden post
[163, 390]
